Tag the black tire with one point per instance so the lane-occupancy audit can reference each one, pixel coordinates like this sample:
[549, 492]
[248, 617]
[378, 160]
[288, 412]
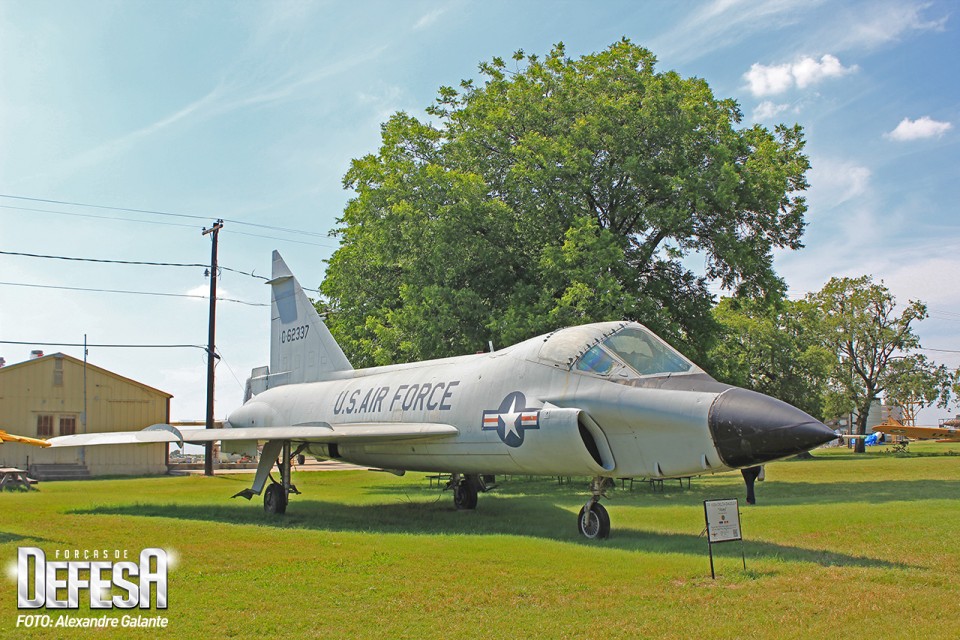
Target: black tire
[274, 500]
[465, 496]
[595, 524]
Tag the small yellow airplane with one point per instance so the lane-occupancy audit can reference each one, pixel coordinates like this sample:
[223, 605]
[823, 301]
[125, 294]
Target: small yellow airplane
[9, 437]
[943, 433]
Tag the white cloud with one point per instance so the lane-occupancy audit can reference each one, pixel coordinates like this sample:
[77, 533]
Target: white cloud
[203, 291]
[768, 109]
[724, 23]
[383, 101]
[808, 71]
[883, 23]
[835, 181]
[429, 18]
[764, 80]
[924, 127]
[916, 276]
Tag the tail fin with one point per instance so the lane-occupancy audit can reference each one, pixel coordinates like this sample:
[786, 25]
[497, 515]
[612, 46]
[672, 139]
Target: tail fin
[301, 347]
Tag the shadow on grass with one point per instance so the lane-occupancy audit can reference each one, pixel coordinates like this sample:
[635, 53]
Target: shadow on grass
[769, 494]
[871, 492]
[16, 537]
[520, 517]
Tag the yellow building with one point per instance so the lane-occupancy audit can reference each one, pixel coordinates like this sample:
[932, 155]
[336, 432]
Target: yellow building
[49, 396]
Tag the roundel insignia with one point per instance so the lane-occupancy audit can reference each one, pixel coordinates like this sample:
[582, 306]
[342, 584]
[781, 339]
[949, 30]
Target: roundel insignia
[511, 419]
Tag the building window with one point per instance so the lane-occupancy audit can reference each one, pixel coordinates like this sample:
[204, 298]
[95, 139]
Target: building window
[44, 426]
[68, 425]
[58, 372]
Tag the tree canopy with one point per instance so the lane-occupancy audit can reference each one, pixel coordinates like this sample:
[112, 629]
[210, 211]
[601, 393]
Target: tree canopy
[769, 348]
[832, 353]
[560, 191]
[915, 383]
[859, 321]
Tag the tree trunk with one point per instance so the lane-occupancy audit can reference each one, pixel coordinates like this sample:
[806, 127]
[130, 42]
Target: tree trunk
[863, 413]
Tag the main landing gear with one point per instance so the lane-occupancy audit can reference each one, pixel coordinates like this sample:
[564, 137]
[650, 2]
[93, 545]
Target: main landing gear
[467, 488]
[593, 520]
[275, 499]
[277, 494]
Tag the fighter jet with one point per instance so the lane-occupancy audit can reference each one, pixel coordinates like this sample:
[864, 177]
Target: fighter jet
[605, 400]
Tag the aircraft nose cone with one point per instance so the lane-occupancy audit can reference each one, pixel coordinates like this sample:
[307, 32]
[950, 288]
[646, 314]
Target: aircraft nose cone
[750, 428]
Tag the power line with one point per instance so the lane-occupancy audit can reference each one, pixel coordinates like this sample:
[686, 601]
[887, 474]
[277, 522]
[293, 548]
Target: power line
[138, 262]
[139, 293]
[38, 343]
[146, 263]
[91, 215]
[164, 213]
[257, 235]
[169, 224]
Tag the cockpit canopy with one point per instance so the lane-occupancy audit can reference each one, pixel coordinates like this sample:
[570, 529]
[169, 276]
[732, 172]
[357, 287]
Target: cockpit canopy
[622, 349]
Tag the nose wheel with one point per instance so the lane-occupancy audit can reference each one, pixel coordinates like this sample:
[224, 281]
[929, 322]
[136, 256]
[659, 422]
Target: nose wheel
[593, 522]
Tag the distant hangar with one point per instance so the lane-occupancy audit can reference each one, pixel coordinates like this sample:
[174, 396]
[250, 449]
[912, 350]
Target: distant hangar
[56, 395]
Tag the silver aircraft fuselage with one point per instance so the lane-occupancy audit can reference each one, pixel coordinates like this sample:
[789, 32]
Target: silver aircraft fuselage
[527, 409]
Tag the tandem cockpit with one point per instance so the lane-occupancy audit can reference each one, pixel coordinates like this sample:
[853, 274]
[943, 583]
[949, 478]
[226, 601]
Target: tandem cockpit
[614, 350]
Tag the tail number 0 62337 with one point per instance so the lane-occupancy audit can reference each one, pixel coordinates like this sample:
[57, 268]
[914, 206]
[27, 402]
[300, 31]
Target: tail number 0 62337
[294, 333]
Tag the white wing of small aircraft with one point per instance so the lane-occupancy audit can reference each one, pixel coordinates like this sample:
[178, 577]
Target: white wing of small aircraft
[606, 400]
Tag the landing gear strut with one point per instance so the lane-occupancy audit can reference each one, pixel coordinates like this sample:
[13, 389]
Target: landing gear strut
[277, 494]
[594, 521]
[466, 489]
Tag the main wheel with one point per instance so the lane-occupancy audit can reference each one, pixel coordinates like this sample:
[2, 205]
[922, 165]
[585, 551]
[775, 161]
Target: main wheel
[595, 523]
[465, 495]
[274, 500]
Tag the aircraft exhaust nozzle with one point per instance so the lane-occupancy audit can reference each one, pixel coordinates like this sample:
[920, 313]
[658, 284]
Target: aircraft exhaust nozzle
[750, 428]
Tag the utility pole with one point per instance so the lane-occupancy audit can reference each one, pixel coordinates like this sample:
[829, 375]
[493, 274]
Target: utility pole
[211, 342]
[83, 422]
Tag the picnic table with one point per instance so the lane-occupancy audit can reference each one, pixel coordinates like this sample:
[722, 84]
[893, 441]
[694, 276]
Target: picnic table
[12, 478]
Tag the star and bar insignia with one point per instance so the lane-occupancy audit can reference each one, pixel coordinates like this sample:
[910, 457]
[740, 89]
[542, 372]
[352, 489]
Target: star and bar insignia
[511, 419]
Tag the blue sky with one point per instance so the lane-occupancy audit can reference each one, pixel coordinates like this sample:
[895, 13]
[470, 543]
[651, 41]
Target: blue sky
[252, 111]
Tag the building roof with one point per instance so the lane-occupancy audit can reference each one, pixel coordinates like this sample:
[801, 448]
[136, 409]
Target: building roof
[76, 361]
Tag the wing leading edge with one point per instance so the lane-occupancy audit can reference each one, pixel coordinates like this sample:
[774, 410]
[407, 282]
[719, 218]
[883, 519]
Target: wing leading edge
[314, 432]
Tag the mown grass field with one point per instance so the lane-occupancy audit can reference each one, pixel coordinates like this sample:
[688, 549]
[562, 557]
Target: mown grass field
[841, 546]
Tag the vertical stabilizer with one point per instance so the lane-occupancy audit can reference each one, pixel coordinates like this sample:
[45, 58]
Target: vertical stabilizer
[301, 347]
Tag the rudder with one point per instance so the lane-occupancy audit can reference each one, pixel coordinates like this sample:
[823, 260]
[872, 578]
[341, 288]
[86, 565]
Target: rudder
[302, 349]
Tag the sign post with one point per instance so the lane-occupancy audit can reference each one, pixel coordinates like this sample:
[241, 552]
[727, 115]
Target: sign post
[723, 525]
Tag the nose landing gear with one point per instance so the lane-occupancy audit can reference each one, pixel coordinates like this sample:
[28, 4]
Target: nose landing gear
[593, 521]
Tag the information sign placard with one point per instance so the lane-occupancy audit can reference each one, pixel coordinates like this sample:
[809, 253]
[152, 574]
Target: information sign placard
[723, 520]
[723, 525]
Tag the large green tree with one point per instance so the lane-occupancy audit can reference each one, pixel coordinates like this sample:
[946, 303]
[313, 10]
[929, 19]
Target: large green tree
[768, 347]
[915, 383]
[859, 321]
[560, 191]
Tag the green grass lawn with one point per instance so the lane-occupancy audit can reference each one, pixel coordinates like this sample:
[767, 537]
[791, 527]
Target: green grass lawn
[841, 546]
